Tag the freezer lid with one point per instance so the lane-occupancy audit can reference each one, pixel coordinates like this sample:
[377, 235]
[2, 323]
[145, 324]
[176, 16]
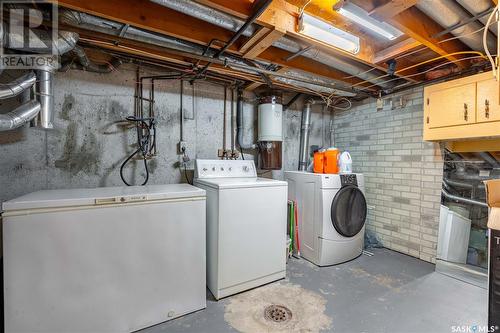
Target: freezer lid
[227, 183]
[101, 196]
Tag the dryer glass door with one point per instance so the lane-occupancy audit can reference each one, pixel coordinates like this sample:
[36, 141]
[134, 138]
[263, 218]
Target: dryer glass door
[348, 211]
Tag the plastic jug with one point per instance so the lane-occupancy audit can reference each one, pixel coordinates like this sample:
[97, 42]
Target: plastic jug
[319, 161]
[345, 162]
[331, 161]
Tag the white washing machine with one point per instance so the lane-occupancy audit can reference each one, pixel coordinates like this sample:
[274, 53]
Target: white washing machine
[332, 212]
[246, 226]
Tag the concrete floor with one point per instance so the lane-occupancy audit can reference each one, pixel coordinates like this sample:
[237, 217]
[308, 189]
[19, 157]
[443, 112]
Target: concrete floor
[386, 292]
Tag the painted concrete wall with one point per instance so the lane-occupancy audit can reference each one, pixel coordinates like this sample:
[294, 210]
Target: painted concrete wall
[403, 174]
[90, 139]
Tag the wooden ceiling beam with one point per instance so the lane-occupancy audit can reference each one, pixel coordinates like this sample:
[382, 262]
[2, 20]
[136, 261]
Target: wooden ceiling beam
[263, 43]
[396, 50]
[147, 15]
[420, 27]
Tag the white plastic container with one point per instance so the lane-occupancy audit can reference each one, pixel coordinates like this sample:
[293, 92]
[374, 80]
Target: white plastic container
[345, 162]
[453, 238]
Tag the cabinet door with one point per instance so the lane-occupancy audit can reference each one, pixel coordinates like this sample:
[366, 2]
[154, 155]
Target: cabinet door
[450, 106]
[488, 107]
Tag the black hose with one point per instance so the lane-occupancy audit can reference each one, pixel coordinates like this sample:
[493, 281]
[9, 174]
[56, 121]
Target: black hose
[143, 143]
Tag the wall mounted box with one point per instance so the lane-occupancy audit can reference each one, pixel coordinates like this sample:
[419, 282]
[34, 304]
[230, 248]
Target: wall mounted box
[466, 108]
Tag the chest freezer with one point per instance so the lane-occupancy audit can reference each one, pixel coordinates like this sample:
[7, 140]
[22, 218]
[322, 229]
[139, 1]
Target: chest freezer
[103, 260]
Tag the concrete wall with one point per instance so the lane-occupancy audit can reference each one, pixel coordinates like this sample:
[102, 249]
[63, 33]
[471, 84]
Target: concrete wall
[90, 139]
[403, 174]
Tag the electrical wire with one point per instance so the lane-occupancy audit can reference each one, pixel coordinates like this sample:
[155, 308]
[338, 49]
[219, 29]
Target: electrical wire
[144, 144]
[423, 63]
[485, 44]
[423, 72]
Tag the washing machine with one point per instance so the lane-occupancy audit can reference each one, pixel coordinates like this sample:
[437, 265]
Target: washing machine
[246, 226]
[332, 213]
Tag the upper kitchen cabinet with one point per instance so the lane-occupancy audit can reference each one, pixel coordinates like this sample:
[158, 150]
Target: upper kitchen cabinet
[461, 109]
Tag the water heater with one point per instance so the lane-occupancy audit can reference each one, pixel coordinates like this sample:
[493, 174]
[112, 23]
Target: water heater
[270, 130]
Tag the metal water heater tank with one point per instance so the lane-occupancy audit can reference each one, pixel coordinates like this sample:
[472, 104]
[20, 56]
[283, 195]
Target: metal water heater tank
[270, 131]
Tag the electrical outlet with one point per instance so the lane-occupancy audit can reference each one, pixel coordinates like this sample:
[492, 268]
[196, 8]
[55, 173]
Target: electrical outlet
[181, 147]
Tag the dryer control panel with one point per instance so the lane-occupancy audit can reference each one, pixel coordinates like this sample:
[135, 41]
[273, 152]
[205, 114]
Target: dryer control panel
[348, 179]
[225, 169]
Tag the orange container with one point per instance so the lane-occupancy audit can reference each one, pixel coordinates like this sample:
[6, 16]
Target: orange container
[331, 164]
[319, 160]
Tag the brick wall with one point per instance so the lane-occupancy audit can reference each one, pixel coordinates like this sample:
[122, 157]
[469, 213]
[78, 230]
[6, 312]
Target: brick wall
[403, 173]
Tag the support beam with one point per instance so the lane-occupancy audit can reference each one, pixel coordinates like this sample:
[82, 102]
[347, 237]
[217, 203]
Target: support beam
[262, 44]
[395, 50]
[391, 9]
[420, 27]
[150, 16]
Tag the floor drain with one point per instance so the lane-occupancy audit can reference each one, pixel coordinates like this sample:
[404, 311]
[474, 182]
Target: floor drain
[277, 313]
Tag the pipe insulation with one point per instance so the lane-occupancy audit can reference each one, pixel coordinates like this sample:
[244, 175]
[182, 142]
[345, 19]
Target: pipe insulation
[448, 13]
[304, 136]
[232, 23]
[19, 116]
[17, 86]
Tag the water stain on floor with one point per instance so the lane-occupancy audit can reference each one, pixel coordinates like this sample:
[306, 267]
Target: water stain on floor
[246, 312]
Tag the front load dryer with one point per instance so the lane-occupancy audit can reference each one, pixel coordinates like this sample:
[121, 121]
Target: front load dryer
[332, 213]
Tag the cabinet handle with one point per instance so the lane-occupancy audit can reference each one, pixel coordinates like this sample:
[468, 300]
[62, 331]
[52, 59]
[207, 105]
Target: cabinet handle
[486, 108]
[465, 112]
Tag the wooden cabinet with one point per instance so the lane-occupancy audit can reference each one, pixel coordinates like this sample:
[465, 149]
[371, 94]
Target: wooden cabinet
[462, 109]
[488, 106]
[450, 106]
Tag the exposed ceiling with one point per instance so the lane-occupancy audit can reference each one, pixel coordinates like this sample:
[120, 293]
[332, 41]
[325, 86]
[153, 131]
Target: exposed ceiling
[274, 40]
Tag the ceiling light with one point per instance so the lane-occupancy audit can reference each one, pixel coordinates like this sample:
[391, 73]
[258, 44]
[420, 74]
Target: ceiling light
[317, 29]
[358, 15]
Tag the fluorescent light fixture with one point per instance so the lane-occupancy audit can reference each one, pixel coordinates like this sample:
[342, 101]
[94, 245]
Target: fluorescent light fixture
[358, 15]
[320, 30]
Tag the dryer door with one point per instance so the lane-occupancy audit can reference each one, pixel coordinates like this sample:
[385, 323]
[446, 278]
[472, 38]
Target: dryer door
[348, 212]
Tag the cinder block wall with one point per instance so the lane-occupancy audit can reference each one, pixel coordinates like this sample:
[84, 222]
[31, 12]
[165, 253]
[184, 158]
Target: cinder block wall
[403, 174]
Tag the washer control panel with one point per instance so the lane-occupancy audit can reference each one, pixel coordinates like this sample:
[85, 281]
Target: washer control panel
[225, 169]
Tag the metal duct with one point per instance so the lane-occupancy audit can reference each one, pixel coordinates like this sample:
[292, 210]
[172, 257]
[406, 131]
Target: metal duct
[207, 14]
[232, 23]
[304, 136]
[65, 42]
[19, 116]
[448, 13]
[17, 86]
[321, 80]
[93, 23]
[490, 159]
[45, 89]
[239, 120]
[88, 65]
[461, 199]
[476, 7]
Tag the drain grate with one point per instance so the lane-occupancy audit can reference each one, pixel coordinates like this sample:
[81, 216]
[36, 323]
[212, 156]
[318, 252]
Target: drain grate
[277, 313]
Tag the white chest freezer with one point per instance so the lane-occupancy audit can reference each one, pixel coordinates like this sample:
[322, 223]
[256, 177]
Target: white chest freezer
[103, 260]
